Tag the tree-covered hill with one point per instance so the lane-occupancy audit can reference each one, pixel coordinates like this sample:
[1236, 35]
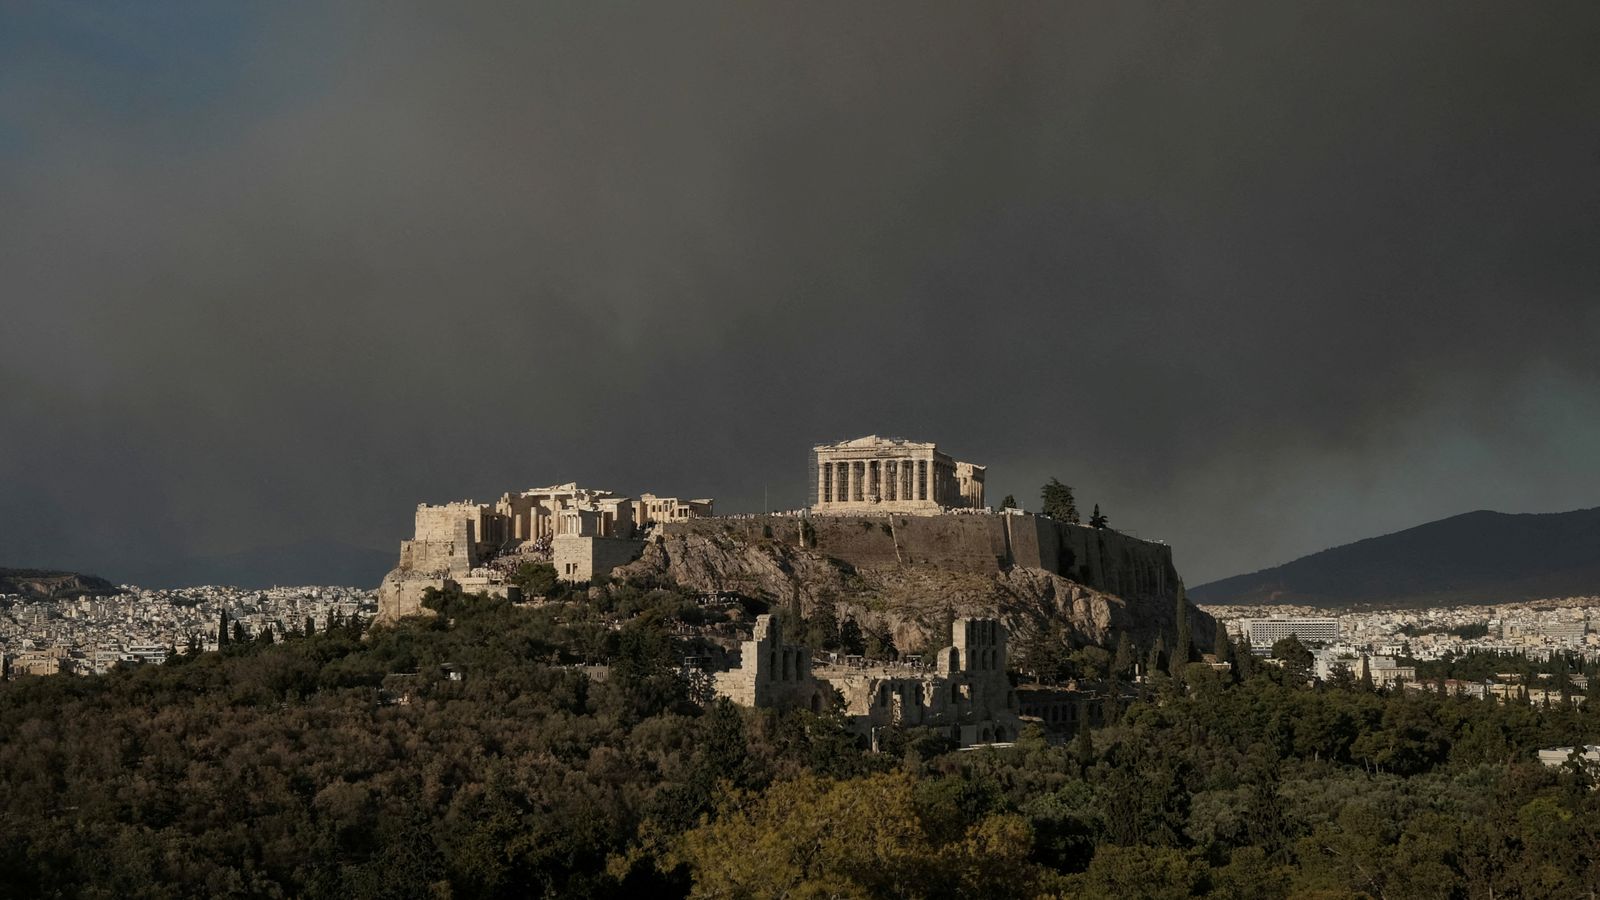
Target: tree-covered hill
[351, 766]
[1476, 557]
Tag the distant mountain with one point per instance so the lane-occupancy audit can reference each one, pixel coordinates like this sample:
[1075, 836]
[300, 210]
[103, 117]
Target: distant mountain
[46, 584]
[307, 562]
[1476, 557]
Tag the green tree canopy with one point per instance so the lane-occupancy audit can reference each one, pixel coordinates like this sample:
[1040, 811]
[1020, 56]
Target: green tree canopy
[1058, 502]
[1297, 660]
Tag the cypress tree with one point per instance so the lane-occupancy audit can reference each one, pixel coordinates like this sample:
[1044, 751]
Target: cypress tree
[1123, 662]
[1244, 658]
[1083, 744]
[1222, 644]
[1158, 656]
[1096, 519]
[1180, 650]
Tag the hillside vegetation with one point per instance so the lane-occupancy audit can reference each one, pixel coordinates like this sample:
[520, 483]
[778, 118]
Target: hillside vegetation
[338, 765]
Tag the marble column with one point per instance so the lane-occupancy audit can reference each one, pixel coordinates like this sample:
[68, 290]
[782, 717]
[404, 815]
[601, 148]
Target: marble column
[822, 484]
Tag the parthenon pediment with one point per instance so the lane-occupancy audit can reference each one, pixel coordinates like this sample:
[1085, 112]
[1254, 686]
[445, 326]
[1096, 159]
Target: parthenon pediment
[873, 440]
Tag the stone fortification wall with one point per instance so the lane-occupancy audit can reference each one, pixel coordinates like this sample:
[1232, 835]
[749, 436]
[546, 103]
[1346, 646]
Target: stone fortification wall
[581, 558]
[400, 596]
[438, 523]
[974, 544]
[456, 552]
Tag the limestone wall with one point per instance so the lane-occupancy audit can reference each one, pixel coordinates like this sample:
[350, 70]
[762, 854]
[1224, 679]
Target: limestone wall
[438, 523]
[400, 596]
[579, 558]
[771, 673]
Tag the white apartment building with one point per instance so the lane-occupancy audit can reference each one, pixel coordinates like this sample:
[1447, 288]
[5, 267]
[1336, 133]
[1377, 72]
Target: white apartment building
[1266, 632]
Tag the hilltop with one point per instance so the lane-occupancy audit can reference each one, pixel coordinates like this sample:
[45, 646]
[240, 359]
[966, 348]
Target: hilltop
[837, 577]
[1476, 557]
[46, 584]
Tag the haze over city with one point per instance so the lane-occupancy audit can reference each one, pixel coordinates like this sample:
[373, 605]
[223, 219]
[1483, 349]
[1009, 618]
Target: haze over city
[1259, 278]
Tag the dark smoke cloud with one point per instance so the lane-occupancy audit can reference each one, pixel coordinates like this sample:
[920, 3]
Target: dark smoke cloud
[1259, 278]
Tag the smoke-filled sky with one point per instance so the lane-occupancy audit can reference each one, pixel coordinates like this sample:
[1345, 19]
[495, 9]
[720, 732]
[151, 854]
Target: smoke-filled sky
[1258, 278]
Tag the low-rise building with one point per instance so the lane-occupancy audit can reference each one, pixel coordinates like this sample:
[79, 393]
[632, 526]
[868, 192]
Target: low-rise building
[1556, 757]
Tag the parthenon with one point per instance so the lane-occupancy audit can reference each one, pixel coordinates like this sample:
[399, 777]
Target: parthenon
[893, 475]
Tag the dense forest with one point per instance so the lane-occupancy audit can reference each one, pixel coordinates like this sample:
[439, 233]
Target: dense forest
[480, 755]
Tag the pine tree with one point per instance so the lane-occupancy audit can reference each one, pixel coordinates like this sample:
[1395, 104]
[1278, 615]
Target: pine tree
[1097, 520]
[311, 626]
[239, 636]
[1009, 502]
[222, 630]
[1297, 660]
[1366, 674]
[1058, 502]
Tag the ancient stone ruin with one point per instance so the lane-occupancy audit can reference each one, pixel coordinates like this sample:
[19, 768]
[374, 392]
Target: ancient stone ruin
[891, 475]
[476, 546]
[965, 694]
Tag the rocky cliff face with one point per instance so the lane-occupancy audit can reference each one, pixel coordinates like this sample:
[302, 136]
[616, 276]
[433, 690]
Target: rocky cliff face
[39, 584]
[906, 577]
[911, 602]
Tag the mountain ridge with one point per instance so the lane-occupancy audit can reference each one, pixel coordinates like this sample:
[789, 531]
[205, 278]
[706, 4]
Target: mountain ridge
[1473, 557]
